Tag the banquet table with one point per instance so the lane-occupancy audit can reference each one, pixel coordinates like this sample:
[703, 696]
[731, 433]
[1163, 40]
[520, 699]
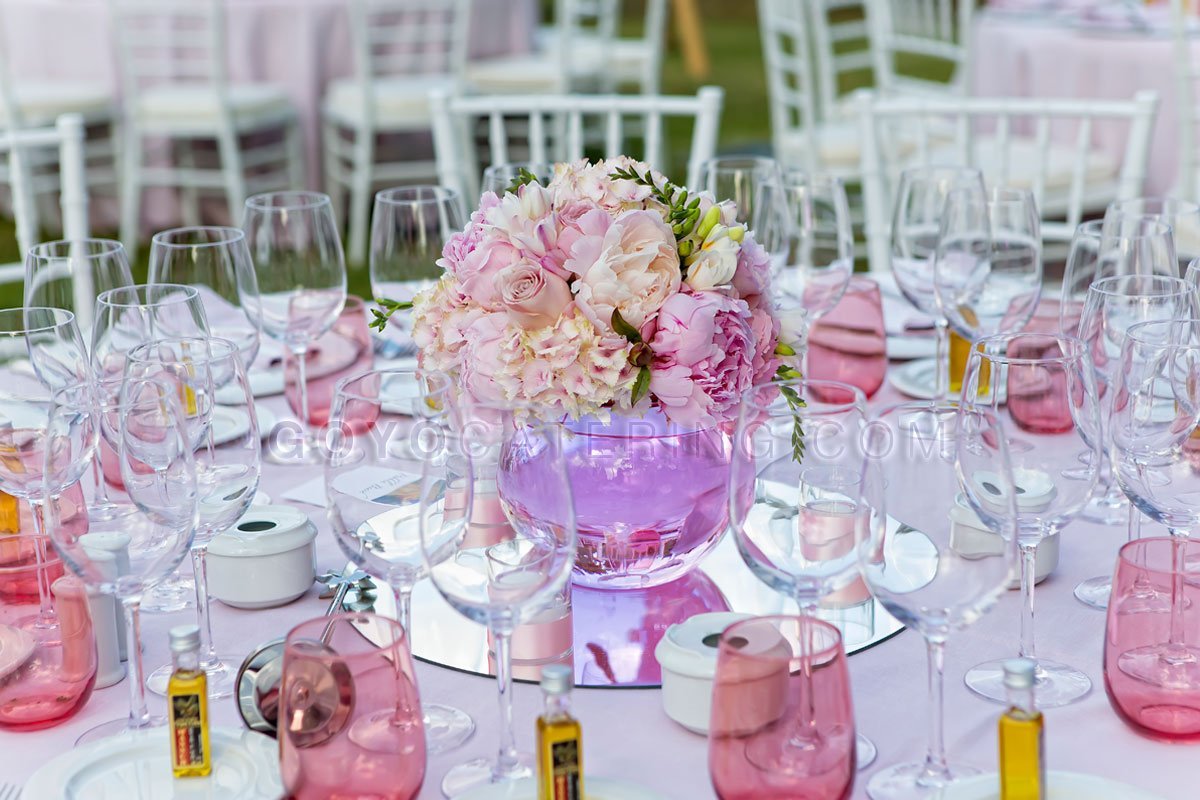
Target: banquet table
[627, 735]
[1021, 52]
[300, 45]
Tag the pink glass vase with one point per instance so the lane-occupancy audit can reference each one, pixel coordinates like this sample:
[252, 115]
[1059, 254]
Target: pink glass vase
[1152, 638]
[782, 723]
[345, 349]
[350, 714]
[849, 344]
[47, 661]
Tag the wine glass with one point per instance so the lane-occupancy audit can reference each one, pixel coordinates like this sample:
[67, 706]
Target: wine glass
[301, 273]
[1182, 216]
[227, 464]
[159, 474]
[376, 423]
[1130, 247]
[988, 262]
[409, 229]
[499, 178]
[47, 343]
[500, 576]
[216, 262]
[933, 552]
[794, 510]
[770, 672]
[916, 228]
[1052, 415]
[739, 178]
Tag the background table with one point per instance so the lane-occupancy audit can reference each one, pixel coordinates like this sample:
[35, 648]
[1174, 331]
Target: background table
[1027, 54]
[627, 735]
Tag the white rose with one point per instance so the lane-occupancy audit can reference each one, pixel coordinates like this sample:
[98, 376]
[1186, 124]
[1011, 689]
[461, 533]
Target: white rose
[715, 264]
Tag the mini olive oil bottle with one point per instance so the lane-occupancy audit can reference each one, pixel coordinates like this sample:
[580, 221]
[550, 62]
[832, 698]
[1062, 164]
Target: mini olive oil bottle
[1022, 762]
[559, 739]
[187, 706]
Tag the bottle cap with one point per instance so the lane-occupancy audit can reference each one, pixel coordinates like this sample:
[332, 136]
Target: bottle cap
[557, 679]
[185, 638]
[1019, 673]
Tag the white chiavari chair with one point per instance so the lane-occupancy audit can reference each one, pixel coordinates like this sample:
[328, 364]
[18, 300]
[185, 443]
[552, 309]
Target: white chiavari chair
[176, 87]
[1187, 80]
[558, 128]
[925, 30]
[1046, 146]
[403, 50]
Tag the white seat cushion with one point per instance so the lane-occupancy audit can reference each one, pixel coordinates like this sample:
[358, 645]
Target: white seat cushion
[398, 102]
[537, 72]
[196, 106]
[1024, 161]
[41, 102]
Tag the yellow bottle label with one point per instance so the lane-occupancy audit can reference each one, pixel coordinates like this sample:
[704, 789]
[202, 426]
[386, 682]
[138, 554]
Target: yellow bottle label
[1022, 765]
[560, 759]
[187, 706]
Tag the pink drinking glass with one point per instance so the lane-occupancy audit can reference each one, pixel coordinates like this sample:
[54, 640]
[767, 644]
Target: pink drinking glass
[46, 674]
[345, 349]
[1041, 390]
[849, 343]
[1151, 671]
[782, 722]
[1049, 316]
[350, 715]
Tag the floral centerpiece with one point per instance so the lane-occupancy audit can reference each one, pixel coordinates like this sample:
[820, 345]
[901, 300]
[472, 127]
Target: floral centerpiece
[609, 290]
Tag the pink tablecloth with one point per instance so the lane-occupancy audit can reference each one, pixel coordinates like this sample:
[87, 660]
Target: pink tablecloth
[1031, 55]
[299, 44]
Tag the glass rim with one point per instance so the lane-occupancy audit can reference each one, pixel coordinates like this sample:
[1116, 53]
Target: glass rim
[908, 173]
[1161, 200]
[1133, 331]
[1077, 345]
[103, 248]
[1100, 285]
[734, 161]
[52, 556]
[394, 195]
[493, 169]
[289, 200]
[342, 389]
[63, 318]
[106, 297]
[1124, 554]
[228, 233]
[296, 634]
[138, 352]
[833, 650]
[1155, 223]
[749, 397]
[799, 177]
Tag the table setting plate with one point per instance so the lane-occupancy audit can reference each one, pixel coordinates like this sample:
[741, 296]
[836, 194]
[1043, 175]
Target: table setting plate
[264, 382]
[137, 766]
[1061, 786]
[230, 422]
[917, 379]
[593, 789]
[16, 646]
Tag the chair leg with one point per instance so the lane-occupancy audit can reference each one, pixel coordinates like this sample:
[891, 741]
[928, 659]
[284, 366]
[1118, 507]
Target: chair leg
[294, 146]
[188, 193]
[360, 194]
[329, 163]
[131, 189]
[233, 171]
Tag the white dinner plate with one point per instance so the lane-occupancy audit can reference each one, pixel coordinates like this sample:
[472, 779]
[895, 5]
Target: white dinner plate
[230, 422]
[906, 348]
[138, 767]
[16, 646]
[263, 383]
[1062, 786]
[918, 379]
[593, 788]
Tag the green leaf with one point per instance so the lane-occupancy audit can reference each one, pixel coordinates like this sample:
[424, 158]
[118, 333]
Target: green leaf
[380, 318]
[624, 328]
[795, 403]
[524, 177]
[641, 385]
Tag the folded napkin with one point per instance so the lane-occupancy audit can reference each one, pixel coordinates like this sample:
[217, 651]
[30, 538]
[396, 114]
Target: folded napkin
[899, 316]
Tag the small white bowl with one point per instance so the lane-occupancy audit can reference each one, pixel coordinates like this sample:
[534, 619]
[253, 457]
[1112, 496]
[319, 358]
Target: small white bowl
[268, 559]
[687, 654]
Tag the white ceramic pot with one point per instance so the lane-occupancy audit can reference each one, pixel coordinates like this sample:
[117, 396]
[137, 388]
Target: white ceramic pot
[266, 560]
[687, 654]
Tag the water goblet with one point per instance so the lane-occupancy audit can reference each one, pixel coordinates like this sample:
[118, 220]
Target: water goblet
[499, 178]
[1182, 216]
[342, 351]
[1052, 416]
[739, 179]
[372, 479]
[301, 272]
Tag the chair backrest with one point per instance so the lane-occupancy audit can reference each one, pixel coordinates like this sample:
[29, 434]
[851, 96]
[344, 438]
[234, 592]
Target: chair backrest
[784, 27]
[842, 46]
[10, 112]
[409, 37]
[920, 30]
[555, 128]
[1043, 145]
[1187, 78]
[67, 137]
[650, 41]
[170, 42]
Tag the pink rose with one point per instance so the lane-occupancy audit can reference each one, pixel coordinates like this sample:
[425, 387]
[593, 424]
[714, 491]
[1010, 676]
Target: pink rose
[479, 269]
[704, 353]
[491, 369]
[633, 267]
[532, 296]
[752, 279]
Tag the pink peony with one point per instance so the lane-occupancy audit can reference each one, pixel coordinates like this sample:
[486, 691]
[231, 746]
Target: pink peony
[752, 280]
[533, 297]
[704, 353]
[765, 327]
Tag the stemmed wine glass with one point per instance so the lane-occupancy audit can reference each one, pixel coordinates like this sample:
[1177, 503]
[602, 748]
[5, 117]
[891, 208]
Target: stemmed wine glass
[125, 557]
[496, 461]
[916, 229]
[1182, 216]
[934, 553]
[50, 340]
[301, 273]
[794, 513]
[739, 178]
[1052, 415]
[499, 177]
[409, 228]
[376, 423]
[216, 262]
[227, 460]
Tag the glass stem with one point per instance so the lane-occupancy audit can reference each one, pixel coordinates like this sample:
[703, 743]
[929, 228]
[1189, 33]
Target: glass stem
[139, 715]
[403, 593]
[101, 483]
[208, 651]
[1028, 579]
[46, 616]
[1176, 636]
[1142, 587]
[935, 757]
[300, 353]
[507, 761]
[808, 720]
[942, 384]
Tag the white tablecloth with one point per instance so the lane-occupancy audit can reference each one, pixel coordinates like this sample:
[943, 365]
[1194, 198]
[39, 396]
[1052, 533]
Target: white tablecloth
[298, 44]
[1026, 54]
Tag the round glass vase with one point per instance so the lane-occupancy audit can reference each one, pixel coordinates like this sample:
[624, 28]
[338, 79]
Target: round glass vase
[651, 498]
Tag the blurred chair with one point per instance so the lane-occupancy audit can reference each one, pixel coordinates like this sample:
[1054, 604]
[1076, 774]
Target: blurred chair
[634, 61]
[403, 49]
[66, 144]
[556, 128]
[904, 32]
[1042, 145]
[1187, 76]
[176, 88]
